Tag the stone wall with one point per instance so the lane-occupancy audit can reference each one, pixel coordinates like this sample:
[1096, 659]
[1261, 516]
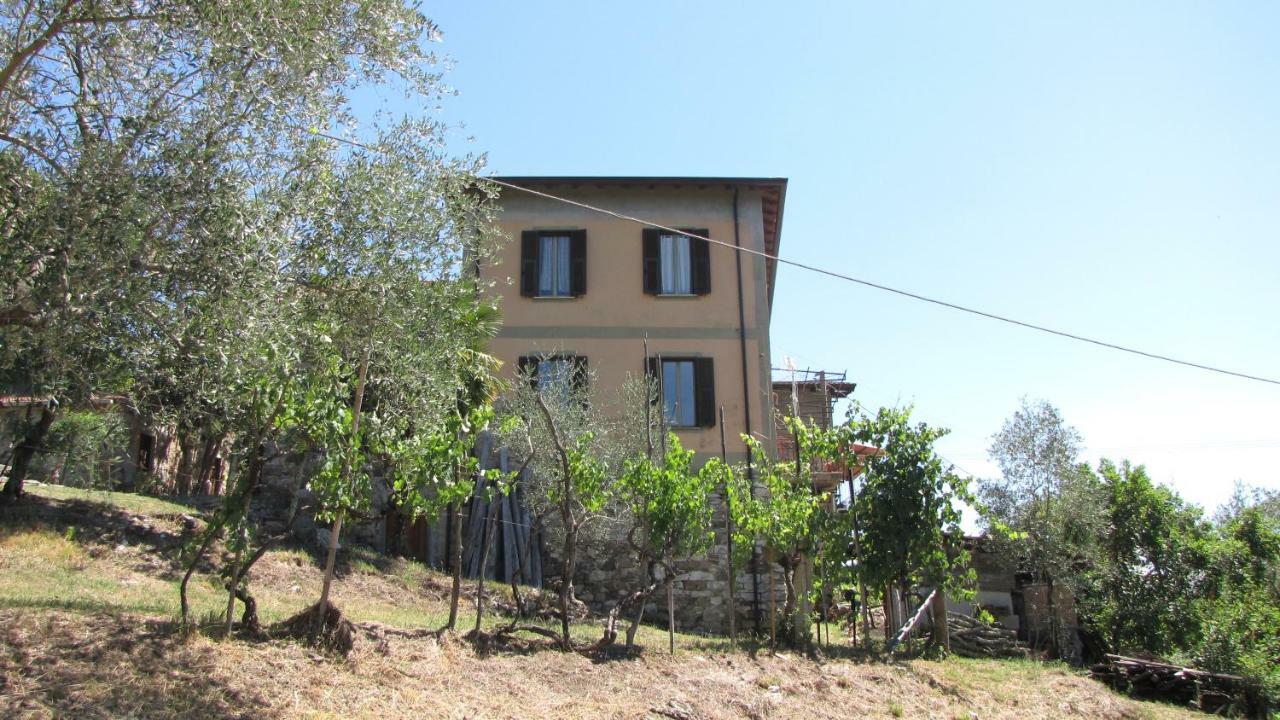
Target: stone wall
[606, 572]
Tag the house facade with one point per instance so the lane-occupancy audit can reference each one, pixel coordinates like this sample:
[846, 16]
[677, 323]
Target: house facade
[581, 289]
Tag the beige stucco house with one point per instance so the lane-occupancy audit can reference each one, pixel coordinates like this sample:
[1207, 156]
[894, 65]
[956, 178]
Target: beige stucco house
[590, 288]
[582, 288]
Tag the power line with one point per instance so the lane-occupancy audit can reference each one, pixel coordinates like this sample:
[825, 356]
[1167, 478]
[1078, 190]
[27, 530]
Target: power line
[886, 288]
[842, 276]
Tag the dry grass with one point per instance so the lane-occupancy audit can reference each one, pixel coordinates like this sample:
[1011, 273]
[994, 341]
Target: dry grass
[86, 630]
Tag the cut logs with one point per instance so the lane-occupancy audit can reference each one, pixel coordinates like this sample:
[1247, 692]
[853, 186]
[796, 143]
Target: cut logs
[973, 638]
[1215, 693]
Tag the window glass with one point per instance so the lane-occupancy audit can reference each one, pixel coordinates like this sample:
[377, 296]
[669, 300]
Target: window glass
[677, 275]
[677, 392]
[555, 376]
[553, 266]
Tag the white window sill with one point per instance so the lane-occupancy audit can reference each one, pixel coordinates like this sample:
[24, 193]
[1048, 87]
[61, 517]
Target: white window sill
[676, 295]
[555, 297]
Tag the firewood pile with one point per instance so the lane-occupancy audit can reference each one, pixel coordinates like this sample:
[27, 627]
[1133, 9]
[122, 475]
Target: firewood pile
[1210, 692]
[973, 638]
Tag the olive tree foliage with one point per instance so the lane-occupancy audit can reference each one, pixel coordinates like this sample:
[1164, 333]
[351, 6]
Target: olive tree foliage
[670, 504]
[574, 451]
[785, 515]
[1047, 499]
[147, 149]
[391, 314]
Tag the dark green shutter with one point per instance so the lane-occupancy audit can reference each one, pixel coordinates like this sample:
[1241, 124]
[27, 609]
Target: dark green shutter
[529, 263]
[652, 270]
[578, 263]
[700, 259]
[704, 390]
[529, 368]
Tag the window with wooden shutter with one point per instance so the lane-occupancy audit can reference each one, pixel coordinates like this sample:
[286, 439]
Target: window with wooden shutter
[553, 263]
[676, 263]
[686, 390]
[546, 372]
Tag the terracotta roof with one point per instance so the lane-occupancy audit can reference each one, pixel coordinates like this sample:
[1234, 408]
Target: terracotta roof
[773, 190]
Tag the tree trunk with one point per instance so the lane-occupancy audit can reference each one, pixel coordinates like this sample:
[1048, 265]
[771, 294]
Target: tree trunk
[329, 561]
[322, 607]
[641, 598]
[941, 633]
[671, 613]
[187, 465]
[233, 582]
[211, 535]
[789, 604]
[455, 515]
[566, 583]
[25, 451]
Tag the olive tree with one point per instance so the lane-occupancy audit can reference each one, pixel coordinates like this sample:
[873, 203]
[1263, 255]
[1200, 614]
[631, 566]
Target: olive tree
[670, 504]
[146, 149]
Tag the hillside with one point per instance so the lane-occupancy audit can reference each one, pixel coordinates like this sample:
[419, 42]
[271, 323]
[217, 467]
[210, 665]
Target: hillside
[89, 594]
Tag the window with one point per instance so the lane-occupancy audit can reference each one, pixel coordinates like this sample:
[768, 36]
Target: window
[676, 264]
[555, 373]
[553, 263]
[687, 389]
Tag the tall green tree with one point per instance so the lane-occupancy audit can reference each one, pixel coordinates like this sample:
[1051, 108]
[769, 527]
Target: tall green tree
[1051, 503]
[1158, 554]
[671, 507]
[909, 506]
[785, 515]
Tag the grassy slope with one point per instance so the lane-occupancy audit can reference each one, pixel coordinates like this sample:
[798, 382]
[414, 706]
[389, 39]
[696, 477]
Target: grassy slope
[88, 590]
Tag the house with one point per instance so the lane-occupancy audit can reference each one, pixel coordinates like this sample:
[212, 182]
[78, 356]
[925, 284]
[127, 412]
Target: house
[582, 289]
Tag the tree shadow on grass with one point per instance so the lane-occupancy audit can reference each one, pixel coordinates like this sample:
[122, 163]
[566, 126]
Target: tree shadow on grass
[107, 665]
[106, 525]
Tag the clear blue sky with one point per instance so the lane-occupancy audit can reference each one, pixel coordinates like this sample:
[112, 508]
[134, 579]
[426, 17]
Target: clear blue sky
[1108, 169]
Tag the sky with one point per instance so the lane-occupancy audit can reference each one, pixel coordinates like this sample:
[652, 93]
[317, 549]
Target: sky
[1108, 169]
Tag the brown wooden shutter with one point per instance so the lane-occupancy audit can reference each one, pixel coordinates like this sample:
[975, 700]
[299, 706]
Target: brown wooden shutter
[529, 263]
[651, 370]
[704, 390]
[652, 269]
[700, 258]
[578, 263]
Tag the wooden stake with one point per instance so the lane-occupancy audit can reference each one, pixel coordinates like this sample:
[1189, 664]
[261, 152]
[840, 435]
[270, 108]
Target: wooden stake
[671, 613]
[941, 633]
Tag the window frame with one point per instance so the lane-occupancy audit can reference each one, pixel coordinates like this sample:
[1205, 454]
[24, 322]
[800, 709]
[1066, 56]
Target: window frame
[528, 366]
[699, 262]
[704, 404]
[531, 263]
